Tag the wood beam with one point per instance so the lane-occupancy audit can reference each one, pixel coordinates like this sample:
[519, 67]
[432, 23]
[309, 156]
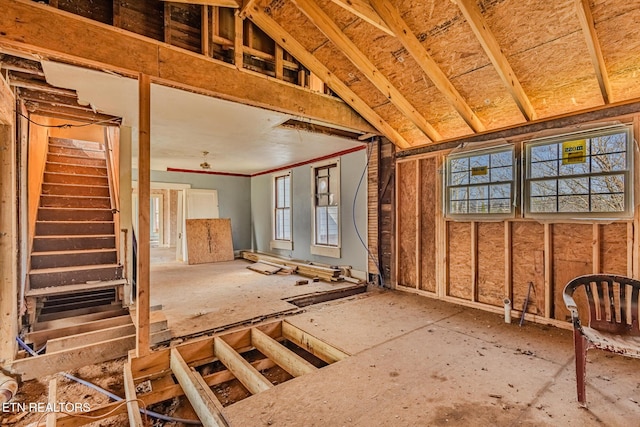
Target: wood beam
[331, 30]
[282, 356]
[204, 30]
[50, 98]
[313, 345]
[238, 41]
[595, 51]
[202, 399]
[220, 3]
[246, 5]
[144, 190]
[133, 408]
[491, 47]
[392, 17]
[281, 37]
[279, 62]
[70, 113]
[50, 363]
[572, 120]
[8, 226]
[253, 380]
[55, 35]
[14, 63]
[22, 81]
[52, 400]
[363, 10]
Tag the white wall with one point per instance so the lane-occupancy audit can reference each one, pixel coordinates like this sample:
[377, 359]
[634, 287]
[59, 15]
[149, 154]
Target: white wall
[353, 253]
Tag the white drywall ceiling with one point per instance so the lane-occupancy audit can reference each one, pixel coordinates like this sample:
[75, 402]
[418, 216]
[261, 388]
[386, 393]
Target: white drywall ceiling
[239, 138]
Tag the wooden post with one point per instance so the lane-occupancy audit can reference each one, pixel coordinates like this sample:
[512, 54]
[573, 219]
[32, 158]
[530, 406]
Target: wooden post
[238, 42]
[52, 400]
[548, 270]
[508, 261]
[279, 64]
[167, 22]
[144, 189]
[474, 261]
[8, 239]
[418, 223]
[204, 30]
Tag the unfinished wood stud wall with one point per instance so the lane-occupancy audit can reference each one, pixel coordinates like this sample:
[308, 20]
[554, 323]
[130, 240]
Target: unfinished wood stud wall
[480, 263]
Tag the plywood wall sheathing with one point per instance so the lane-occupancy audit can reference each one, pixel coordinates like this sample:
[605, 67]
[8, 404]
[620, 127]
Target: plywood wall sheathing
[427, 217]
[571, 257]
[209, 240]
[613, 248]
[407, 223]
[528, 265]
[460, 274]
[491, 263]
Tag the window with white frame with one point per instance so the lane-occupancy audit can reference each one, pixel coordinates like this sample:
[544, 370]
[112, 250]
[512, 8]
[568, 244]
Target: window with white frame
[326, 208]
[480, 183]
[584, 175]
[282, 212]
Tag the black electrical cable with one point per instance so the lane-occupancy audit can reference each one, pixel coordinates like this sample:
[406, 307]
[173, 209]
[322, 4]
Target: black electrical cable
[353, 214]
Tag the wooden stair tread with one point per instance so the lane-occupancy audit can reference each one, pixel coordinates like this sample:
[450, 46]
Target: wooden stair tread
[74, 197]
[72, 268]
[64, 289]
[74, 164]
[95, 150]
[72, 236]
[74, 185]
[76, 157]
[77, 222]
[73, 174]
[62, 208]
[74, 251]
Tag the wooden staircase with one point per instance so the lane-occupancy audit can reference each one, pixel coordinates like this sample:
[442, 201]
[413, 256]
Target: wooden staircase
[74, 261]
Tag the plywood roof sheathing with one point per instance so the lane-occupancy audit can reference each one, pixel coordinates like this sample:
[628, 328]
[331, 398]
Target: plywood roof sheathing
[490, 45]
[331, 30]
[276, 32]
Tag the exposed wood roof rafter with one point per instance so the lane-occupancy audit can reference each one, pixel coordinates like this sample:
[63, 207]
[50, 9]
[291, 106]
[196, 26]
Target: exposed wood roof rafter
[331, 30]
[595, 51]
[220, 3]
[364, 10]
[392, 17]
[491, 47]
[283, 38]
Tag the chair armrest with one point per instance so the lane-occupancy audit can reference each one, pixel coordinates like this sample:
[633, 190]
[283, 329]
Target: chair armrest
[570, 303]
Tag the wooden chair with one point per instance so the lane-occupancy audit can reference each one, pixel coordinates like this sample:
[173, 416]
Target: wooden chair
[613, 319]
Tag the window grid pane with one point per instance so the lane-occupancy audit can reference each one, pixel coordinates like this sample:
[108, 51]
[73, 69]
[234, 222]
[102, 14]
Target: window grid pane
[282, 216]
[481, 183]
[326, 205]
[592, 182]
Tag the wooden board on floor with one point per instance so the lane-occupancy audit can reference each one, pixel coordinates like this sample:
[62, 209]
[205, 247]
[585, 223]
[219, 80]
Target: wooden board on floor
[50, 363]
[209, 240]
[263, 268]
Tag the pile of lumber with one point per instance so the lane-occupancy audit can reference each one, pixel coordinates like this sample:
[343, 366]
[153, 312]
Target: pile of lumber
[322, 272]
[268, 268]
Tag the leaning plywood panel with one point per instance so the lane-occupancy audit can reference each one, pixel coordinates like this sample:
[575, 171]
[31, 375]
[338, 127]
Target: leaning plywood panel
[491, 263]
[527, 246]
[407, 224]
[572, 257]
[428, 215]
[459, 241]
[209, 240]
[613, 249]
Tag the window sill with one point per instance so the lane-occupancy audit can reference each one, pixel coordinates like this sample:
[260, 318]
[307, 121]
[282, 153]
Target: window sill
[328, 251]
[282, 244]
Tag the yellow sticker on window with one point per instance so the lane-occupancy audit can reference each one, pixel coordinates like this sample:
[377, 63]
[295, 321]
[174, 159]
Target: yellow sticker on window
[479, 170]
[574, 152]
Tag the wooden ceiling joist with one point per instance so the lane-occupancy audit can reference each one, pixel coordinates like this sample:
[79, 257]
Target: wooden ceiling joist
[364, 10]
[14, 63]
[68, 113]
[50, 98]
[283, 38]
[25, 81]
[392, 17]
[595, 51]
[331, 30]
[220, 3]
[490, 44]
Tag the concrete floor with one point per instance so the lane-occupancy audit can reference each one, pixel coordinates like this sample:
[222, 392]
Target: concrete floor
[421, 362]
[204, 297]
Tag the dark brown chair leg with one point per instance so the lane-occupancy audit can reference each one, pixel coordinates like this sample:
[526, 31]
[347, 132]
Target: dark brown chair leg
[581, 347]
